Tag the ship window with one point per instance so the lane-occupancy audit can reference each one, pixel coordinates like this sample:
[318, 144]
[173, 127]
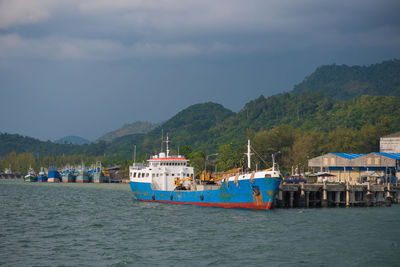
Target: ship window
[167, 174]
[153, 175]
[172, 174]
[147, 174]
[134, 174]
[157, 174]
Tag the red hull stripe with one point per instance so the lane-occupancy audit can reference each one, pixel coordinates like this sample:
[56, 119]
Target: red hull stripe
[262, 206]
[167, 159]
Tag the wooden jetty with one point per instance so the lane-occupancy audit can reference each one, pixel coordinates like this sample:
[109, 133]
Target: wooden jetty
[336, 194]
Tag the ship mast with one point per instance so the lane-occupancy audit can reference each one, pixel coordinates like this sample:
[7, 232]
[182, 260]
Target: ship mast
[167, 141]
[248, 155]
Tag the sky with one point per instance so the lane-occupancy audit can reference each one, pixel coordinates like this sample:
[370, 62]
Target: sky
[86, 67]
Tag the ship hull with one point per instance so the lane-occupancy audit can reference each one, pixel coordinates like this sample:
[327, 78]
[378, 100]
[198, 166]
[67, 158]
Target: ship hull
[42, 179]
[30, 178]
[82, 178]
[245, 194]
[68, 178]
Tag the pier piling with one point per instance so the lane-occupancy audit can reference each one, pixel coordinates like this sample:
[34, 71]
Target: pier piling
[306, 195]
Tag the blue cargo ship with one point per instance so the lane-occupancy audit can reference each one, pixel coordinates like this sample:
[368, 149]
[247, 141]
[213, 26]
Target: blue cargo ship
[169, 179]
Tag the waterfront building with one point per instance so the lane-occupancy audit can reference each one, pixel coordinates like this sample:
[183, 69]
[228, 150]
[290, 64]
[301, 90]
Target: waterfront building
[357, 167]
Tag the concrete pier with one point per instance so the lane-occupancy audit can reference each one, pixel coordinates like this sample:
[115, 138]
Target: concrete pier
[336, 195]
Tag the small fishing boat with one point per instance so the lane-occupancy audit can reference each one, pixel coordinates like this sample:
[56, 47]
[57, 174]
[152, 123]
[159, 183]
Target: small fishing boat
[67, 176]
[82, 175]
[31, 176]
[42, 176]
[53, 176]
[97, 173]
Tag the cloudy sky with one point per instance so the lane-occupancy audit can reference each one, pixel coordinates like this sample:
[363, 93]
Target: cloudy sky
[85, 67]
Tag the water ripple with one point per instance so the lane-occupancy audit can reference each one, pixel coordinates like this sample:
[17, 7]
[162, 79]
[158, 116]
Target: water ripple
[101, 224]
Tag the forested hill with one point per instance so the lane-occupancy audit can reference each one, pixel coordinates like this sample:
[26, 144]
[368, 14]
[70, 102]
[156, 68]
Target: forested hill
[344, 82]
[20, 144]
[137, 127]
[190, 126]
[307, 111]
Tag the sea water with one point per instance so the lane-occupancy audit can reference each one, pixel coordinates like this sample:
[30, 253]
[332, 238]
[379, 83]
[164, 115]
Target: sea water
[46, 224]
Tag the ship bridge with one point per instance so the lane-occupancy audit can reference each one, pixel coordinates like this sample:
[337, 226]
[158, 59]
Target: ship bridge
[161, 171]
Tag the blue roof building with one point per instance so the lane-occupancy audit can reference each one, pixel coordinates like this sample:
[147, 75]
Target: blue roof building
[352, 166]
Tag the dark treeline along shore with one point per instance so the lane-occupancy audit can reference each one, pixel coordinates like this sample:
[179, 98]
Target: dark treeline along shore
[337, 108]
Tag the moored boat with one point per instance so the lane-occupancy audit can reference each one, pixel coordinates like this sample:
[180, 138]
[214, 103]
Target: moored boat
[169, 179]
[67, 176]
[82, 175]
[53, 176]
[42, 176]
[97, 173]
[31, 176]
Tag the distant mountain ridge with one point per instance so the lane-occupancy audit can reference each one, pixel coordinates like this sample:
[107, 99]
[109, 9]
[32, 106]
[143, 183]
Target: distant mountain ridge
[345, 82]
[72, 139]
[137, 127]
[323, 102]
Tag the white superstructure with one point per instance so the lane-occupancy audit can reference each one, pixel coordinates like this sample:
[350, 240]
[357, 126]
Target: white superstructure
[161, 171]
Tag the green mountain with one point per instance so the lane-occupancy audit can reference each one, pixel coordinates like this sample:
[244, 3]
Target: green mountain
[191, 126]
[72, 139]
[344, 82]
[322, 108]
[137, 127]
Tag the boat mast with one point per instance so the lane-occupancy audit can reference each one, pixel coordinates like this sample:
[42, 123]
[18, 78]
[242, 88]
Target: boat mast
[162, 139]
[134, 155]
[248, 155]
[273, 163]
[167, 141]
